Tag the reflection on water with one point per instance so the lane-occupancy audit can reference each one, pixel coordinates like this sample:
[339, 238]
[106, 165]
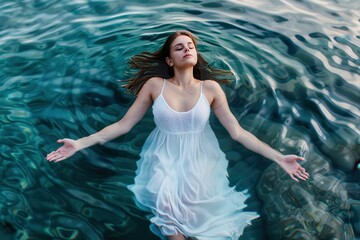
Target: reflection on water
[296, 87]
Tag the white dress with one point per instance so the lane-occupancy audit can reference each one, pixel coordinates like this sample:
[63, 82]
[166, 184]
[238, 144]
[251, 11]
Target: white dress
[182, 177]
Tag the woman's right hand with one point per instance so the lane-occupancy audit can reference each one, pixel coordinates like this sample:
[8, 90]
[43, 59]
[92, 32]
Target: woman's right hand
[69, 148]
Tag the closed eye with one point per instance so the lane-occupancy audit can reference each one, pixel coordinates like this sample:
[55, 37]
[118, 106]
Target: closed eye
[180, 46]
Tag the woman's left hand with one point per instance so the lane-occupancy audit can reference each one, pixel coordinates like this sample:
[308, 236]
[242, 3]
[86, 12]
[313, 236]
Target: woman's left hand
[293, 168]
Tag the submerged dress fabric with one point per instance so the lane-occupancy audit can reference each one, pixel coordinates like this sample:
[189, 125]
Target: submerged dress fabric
[182, 180]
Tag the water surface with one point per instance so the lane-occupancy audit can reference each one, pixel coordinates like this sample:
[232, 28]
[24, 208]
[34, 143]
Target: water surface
[296, 87]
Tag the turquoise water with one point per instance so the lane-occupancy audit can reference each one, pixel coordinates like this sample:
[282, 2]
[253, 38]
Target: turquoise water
[296, 86]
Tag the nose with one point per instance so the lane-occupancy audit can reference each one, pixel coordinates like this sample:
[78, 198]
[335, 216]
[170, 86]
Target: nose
[187, 49]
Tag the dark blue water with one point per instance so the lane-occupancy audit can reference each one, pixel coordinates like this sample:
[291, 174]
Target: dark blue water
[296, 87]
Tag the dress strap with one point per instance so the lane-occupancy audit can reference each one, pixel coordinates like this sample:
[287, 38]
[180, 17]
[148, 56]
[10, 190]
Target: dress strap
[163, 86]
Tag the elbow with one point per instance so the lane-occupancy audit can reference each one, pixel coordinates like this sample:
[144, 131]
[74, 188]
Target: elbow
[113, 131]
[124, 127]
[238, 135]
[235, 135]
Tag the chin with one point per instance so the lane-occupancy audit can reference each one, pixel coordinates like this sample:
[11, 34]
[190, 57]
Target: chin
[190, 64]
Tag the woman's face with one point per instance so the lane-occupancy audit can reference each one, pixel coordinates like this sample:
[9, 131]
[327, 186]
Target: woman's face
[183, 53]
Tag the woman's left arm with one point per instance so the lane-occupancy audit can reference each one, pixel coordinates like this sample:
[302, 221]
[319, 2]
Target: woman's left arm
[222, 111]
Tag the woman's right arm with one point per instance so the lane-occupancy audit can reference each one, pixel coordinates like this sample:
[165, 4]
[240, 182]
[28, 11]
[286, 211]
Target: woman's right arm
[135, 113]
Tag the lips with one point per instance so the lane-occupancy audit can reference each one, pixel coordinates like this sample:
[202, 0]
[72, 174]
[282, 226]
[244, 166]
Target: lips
[187, 55]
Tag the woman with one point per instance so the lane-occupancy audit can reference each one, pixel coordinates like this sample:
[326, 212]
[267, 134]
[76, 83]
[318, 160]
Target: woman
[182, 174]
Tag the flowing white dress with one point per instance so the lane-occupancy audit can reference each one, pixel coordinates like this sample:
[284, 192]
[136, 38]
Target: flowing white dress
[182, 177]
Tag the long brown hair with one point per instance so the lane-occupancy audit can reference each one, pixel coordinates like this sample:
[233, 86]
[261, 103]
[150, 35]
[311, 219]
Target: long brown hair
[148, 65]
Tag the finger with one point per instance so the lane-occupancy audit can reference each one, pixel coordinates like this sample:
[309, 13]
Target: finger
[299, 176]
[301, 158]
[55, 156]
[305, 175]
[60, 141]
[51, 155]
[52, 158]
[60, 159]
[292, 176]
[303, 171]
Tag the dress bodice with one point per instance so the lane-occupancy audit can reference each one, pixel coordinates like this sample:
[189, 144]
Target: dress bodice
[175, 122]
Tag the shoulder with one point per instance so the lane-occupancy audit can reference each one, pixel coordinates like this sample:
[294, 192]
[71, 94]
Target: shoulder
[212, 86]
[153, 82]
[152, 87]
[213, 92]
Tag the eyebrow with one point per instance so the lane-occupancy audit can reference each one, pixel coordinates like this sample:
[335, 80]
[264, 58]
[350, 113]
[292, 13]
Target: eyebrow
[183, 44]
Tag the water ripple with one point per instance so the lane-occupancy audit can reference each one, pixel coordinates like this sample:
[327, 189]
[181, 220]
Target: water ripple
[296, 86]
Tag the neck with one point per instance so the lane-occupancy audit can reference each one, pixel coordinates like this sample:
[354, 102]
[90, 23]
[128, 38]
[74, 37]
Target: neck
[183, 77]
